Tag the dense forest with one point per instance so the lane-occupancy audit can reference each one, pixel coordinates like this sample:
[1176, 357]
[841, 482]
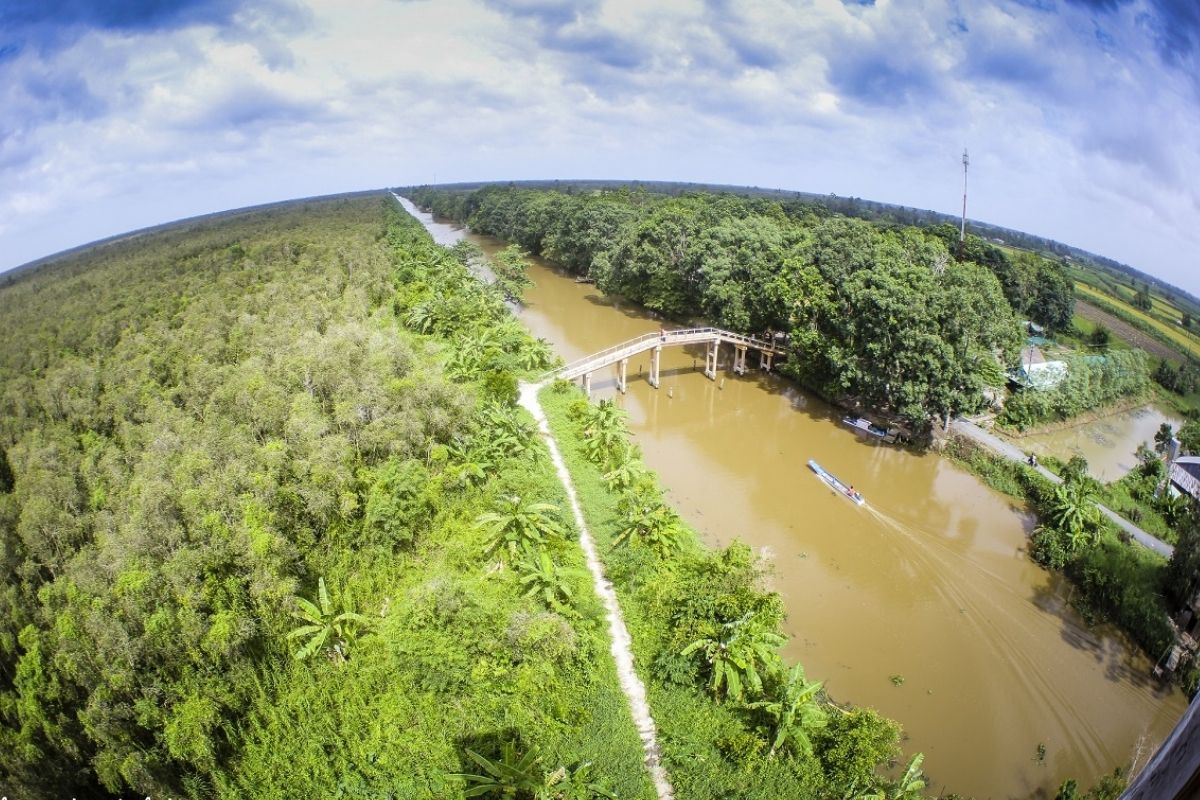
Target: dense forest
[1037, 248]
[238, 524]
[274, 527]
[900, 319]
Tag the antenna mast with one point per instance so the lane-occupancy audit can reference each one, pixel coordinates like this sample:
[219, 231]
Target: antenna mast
[962, 231]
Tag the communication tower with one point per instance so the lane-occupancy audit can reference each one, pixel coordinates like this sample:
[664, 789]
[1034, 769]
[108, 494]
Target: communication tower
[962, 231]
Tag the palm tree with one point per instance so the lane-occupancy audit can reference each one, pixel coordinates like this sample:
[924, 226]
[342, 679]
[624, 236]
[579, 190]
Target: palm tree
[325, 630]
[535, 355]
[541, 577]
[796, 711]
[736, 655]
[519, 526]
[513, 776]
[1174, 507]
[503, 433]
[468, 467]
[1163, 437]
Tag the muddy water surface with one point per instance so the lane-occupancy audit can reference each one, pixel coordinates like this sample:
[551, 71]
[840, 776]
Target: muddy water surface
[1108, 444]
[927, 584]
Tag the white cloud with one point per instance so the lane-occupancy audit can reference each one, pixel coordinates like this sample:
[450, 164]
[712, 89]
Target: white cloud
[1077, 129]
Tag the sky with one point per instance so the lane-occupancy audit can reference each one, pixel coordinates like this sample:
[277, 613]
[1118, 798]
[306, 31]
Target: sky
[1082, 117]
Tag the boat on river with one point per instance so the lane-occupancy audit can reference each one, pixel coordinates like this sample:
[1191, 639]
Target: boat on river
[868, 427]
[835, 484]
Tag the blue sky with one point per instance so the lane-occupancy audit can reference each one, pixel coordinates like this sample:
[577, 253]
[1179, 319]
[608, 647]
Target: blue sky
[1082, 116]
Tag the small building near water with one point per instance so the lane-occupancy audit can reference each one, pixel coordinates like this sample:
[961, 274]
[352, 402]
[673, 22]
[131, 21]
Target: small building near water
[1037, 373]
[1185, 475]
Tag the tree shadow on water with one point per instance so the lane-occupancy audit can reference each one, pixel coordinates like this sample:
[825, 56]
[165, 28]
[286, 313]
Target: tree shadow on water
[1119, 656]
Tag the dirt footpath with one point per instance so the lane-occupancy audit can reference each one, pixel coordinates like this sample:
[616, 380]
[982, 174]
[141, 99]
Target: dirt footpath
[1123, 330]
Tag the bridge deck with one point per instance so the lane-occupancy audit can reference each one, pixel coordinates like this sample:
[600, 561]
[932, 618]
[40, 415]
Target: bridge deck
[649, 341]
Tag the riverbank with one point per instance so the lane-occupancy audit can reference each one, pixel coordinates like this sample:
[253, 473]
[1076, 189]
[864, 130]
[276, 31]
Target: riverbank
[934, 546]
[688, 593]
[1119, 582]
[1086, 418]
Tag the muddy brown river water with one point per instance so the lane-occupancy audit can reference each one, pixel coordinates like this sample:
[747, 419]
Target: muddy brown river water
[922, 603]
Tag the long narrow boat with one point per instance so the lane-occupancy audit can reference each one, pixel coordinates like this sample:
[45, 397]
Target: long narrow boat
[835, 484]
[867, 427]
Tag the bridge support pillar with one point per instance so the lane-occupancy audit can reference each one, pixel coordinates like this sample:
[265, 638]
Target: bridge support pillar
[739, 359]
[622, 373]
[764, 360]
[655, 360]
[587, 384]
[710, 359]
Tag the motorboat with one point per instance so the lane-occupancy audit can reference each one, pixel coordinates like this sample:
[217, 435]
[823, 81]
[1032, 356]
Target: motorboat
[835, 484]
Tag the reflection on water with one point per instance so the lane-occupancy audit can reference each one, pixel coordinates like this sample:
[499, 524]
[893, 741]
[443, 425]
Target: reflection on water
[928, 581]
[1108, 444]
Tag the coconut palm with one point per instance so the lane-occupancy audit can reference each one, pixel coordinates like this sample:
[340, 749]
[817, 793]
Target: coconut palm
[1174, 507]
[325, 629]
[535, 355]
[503, 433]
[796, 712]
[738, 655]
[518, 526]
[512, 775]
[1162, 439]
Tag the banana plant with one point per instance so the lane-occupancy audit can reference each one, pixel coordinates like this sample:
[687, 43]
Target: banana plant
[738, 656]
[543, 579]
[796, 712]
[325, 629]
[517, 526]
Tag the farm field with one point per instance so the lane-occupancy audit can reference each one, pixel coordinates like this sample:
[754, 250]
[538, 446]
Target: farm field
[1126, 332]
[1186, 343]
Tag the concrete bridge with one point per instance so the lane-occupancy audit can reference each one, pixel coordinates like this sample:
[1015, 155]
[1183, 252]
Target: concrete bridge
[653, 343]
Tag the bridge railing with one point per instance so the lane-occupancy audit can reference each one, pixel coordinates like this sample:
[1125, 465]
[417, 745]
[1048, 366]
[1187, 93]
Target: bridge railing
[643, 342]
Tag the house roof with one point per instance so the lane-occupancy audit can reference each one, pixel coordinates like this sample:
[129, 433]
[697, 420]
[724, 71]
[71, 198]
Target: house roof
[1185, 474]
[1041, 375]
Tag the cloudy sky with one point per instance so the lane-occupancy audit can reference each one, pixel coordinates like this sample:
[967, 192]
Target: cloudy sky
[1082, 116]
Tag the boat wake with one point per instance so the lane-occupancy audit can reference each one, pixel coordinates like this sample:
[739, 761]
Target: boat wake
[964, 583]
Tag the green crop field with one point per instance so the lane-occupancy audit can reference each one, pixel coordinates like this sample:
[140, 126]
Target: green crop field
[1173, 333]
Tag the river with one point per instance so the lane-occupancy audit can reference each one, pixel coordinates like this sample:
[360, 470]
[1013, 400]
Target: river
[922, 604]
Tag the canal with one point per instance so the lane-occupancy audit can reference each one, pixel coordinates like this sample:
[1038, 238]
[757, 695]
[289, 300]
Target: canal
[922, 604]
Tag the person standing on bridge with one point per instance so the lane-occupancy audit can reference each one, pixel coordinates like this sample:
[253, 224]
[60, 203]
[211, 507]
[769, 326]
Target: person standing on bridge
[662, 333]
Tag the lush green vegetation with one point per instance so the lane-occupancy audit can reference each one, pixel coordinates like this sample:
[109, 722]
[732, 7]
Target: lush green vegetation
[244, 520]
[1091, 382]
[1141, 317]
[883, 315]
[275, 527]
[733, 719]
